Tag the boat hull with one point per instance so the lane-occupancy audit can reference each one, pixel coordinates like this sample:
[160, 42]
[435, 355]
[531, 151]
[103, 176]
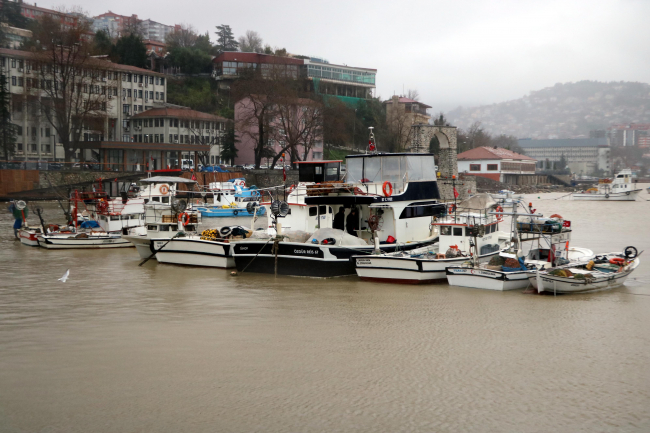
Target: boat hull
[305, 260]
[29, 237]
[228, 212]
[617, 196]
[555, 284]
[193, 252]
[54, 242]
[407, 270]
[487, 279]
[142, 245]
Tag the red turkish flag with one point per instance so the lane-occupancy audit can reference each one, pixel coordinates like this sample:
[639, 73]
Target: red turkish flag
[456, 193]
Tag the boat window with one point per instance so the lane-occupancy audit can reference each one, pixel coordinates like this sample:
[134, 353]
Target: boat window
[318, 169]
[355, 169]
[313, 210]
[420, 167]
[165, 199]
[445, 230]
[218, 197]
[332, 173]
[152, 228]
[458, 231]
[157, 199]
[146, 200]
[422, 209]
[372, 171]
[189, 228]
[330, 209]
[115, 217]
[164, 228]
[322, 210]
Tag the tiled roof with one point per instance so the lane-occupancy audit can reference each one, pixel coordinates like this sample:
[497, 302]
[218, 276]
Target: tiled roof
[403, 100]
[102, 64]
[492, 153]
[180, 113]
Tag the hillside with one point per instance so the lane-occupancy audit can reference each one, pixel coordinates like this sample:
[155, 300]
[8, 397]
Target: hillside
[567, 110]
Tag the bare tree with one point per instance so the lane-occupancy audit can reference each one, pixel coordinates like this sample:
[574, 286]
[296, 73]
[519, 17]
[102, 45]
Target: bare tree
[68, 90]
[185, 37]
[251, 42]
[413, 94]
[208, 132]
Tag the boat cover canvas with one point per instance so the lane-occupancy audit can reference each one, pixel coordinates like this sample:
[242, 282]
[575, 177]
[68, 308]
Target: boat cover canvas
[478, 201]
[342, 238]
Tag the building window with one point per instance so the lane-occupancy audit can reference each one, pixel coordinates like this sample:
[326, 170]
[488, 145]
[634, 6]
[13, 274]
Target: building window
[475, 167]
[157, 94]
[150, 80]
[171, 140]
[13, 81]
[162, 81]
[493, 167]
[13, 63]
[157, 122]
[126, 109]
[20, 81]
[157, 80]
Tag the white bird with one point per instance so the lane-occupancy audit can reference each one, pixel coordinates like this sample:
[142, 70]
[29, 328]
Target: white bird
[65, 276]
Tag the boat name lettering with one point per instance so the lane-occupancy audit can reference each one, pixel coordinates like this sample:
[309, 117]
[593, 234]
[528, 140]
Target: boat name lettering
[387, 199]
[305, 251]
[243, 248]
[363, 261]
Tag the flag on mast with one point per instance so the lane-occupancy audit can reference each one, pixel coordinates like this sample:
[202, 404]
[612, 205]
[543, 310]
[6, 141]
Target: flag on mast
[456, 193]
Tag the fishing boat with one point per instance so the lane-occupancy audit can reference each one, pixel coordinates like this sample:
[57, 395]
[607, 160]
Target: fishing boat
[504, 193]
[602, 272]
[229, 199]
[540, 243]
[621, 188]
[166, 213]
[454, 247]
[397, 192]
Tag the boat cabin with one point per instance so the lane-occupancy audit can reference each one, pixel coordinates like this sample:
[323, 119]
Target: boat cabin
[319, 171]
[455, 231]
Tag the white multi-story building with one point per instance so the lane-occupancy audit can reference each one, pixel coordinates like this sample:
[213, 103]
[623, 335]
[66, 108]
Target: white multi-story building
[126, 91]
[155, 31]
[583, 155]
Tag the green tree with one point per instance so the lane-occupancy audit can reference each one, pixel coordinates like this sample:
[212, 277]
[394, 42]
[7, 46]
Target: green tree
[130, 50]
[192, 61]
[7, 129]
[11, 16]
[225, 39]
[203, 43]
[229, 148]
[103, 43]
[195, 92]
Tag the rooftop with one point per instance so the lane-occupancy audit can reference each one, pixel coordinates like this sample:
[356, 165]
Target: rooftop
[563, 142]
[179, 113]
[492, 153]
[403, 100]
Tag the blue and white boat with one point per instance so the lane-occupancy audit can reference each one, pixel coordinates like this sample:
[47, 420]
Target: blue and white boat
[230, 199]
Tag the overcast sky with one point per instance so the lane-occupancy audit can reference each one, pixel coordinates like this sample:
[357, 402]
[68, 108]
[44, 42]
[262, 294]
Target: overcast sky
[454, 52]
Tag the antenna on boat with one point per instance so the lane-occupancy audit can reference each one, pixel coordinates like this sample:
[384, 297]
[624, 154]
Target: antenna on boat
[372, 145]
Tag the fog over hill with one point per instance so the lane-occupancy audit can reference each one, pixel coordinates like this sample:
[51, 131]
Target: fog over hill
[567, 110]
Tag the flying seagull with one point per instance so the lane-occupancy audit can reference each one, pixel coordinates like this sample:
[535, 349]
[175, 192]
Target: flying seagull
[65, 276]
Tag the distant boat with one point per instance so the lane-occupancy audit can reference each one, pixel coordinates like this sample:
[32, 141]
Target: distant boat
[621, 188]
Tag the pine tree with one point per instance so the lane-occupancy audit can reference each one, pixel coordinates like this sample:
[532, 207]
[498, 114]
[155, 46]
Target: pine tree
[7, 129]
[225, 39]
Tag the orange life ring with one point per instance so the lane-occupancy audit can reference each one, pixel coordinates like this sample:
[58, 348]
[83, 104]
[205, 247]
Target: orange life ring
[102, 205]
[164, 189]
[452, 208]
[556, 216]
[617, 261]
[499, 215]
[184, 218]
[387, 189]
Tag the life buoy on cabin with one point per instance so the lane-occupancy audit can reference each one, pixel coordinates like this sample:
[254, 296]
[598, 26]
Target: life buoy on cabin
[499, 211]
[164, 189]
[556, 216]
[387, 189]
[184, 218]
[617, 261]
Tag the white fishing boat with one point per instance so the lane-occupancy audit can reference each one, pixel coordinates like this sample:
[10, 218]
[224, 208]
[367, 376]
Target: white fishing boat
[165, 201]
[454, 246]
[399, 191]
[541, 243]
[602, 272]
[621, 188]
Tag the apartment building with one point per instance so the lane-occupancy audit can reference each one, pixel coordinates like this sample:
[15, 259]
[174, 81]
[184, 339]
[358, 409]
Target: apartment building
[627, 134]
[583, 155]
[180, 125]
[402, 113]
[350, 84]
[156, 31]
[113, 24]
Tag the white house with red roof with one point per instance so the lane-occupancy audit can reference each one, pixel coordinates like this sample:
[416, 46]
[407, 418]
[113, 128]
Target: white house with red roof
[494, 163]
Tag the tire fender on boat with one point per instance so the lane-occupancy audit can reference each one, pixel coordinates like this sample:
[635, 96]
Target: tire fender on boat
[235, 212]
[606, 195]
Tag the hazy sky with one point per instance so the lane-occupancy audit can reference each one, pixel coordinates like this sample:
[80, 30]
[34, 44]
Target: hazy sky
[453, 52]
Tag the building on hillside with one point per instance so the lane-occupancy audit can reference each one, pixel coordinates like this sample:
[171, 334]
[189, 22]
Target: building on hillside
[154, 46]
[156, 31]
[124, 91]
[401, 114]
[628, 134]
[495, 163]
[35, 12]
[350, 84]
[584, 156]
[180, 125]
[15, 37]
[296, 115]
[114, 24]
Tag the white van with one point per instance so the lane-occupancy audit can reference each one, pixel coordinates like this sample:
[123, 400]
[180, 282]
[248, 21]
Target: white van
[187, 164]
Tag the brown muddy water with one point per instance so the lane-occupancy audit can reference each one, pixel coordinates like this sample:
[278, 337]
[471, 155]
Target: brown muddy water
[159, 348]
